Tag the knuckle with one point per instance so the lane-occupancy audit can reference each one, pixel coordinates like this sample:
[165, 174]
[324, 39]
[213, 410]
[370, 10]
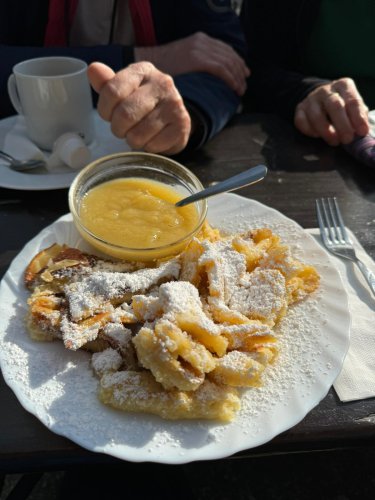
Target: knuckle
[180, 105]
[181, 115]
[147, 66]
[167, 84]
[112, 90]
[345, 84]
[195, 53]
[334, 103]
[116, 130]
[142, 67]
[200, 36]
[315, 113]
[135, 139]
[348, 81]
[353, 103]
[126, 112]
[183, 141]
[321, 91]
[185, 126]
[310, 104]
[216, 65]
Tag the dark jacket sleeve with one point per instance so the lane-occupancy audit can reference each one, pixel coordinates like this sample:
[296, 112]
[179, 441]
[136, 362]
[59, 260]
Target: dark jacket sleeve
[212, 101]
[209, 101]
[277, 34]
[114, 56]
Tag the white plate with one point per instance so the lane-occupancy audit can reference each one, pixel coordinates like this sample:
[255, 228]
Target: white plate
[105, 143]
[59, 388]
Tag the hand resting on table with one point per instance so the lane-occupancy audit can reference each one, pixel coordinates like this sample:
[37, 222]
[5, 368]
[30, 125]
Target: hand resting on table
[334, 112]
[143, 105]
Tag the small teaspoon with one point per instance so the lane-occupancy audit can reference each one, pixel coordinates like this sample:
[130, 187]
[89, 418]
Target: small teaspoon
[21, 165]
[243, 179]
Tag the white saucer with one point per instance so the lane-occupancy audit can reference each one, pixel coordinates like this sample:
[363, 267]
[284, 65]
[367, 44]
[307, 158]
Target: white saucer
[105, 143]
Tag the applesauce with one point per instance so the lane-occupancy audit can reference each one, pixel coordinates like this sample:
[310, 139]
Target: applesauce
[137, 213]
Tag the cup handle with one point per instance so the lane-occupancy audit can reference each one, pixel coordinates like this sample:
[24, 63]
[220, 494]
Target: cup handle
[13, 94]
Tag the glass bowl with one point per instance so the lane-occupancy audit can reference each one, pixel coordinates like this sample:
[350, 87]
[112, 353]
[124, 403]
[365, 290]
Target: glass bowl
[141, 166]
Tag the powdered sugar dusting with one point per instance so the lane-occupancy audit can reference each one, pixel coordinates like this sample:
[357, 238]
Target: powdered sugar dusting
[224, 267]
[261, 292]
[90, 293]
[59, 387]
[297, 333]
[107, 360]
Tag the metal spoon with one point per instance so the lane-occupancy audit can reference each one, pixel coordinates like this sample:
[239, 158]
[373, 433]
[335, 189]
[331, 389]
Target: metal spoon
[21, 165]
[243, 179]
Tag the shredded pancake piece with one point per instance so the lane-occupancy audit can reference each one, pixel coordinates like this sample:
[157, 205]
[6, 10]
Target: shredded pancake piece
[140, 392]
[95, 292]
[260, 295]
[173, 357]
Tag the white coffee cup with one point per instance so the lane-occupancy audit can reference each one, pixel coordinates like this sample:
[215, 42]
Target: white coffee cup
[53, 94]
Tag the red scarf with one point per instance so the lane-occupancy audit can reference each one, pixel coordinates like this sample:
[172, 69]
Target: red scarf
[61, 14]
[143, 24]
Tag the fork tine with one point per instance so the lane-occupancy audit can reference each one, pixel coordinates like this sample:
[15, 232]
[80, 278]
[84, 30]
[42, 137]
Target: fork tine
[341, 221]
[328, 220]
[335, 222]
[321, 221]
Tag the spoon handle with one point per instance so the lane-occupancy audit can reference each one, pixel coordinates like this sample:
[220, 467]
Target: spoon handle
[7, 157]
[243, 179]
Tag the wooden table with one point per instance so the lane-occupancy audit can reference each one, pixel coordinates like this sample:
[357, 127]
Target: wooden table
[300, 170]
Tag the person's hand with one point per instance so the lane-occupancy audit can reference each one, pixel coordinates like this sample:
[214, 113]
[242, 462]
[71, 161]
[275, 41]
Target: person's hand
[334, 111]
[143, 105]
[198, 52]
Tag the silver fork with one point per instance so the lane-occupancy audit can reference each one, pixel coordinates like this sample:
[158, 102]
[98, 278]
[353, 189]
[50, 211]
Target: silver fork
[335, 237]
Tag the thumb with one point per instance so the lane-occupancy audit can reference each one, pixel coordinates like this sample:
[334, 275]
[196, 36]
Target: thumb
[99, 74]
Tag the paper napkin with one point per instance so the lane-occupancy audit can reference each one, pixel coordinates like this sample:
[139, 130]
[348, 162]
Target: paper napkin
[14, 141]
[357, 378]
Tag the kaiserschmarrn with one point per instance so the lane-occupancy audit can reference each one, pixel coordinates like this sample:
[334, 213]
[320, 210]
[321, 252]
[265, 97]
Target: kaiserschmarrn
[179, 339]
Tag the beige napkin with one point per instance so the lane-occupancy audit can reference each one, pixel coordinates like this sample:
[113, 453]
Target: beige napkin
[357, 378]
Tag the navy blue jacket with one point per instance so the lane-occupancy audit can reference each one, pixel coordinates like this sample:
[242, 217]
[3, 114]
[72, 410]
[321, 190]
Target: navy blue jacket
[22, 29]
[277, 34]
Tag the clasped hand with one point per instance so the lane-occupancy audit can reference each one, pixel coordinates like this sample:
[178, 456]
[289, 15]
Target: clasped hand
[142, 104]
[199, 52]
[334, 112]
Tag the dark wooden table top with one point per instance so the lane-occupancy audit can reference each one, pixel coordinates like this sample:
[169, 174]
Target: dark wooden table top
[300, 170]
